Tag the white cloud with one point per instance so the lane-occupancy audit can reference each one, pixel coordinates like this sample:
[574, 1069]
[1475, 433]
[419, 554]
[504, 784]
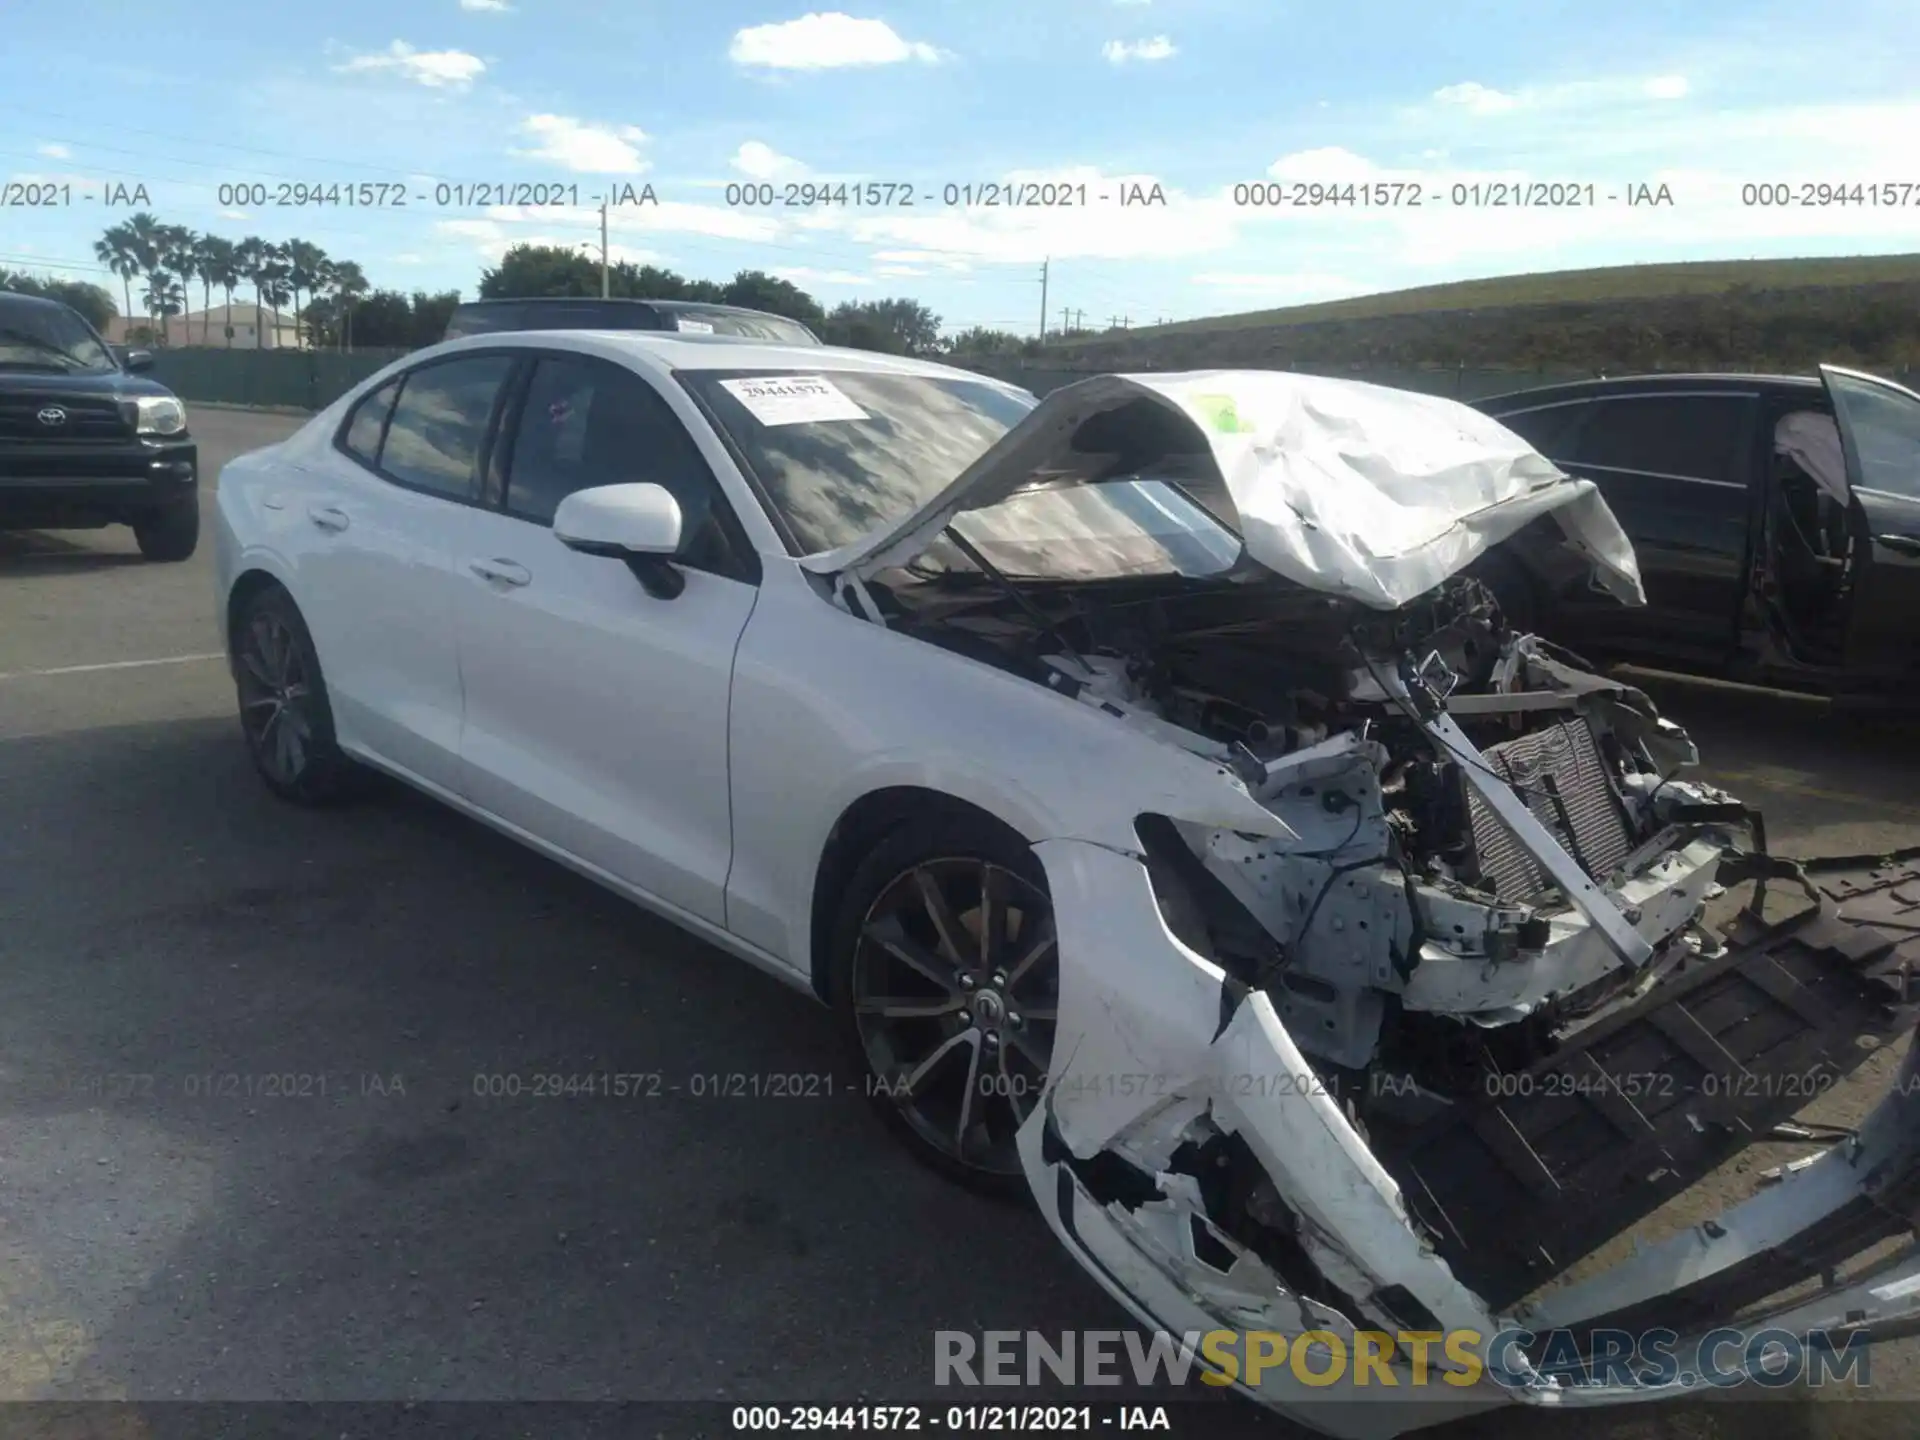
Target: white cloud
[584, 147]
[899, 271]
[235, 215]
[825, 42]
[1119, 52]
[53, 150]
[1475, 98]
[763, 162]
[675, 216]
[436, 69]
[1666, 87]
[492, 238]
[1330, 164]
[408, 258]
[493, 6]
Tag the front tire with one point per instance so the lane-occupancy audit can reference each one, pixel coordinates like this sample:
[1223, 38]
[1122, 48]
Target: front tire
[171, 531]
[284, 711]
[944, 977]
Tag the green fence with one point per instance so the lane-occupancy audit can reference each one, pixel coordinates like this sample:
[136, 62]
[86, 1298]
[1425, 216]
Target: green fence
[303, 379]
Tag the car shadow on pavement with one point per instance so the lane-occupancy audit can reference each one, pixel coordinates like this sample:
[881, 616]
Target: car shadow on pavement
[39, 552]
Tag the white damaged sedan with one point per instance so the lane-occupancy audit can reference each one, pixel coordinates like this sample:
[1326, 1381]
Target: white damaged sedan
[1149, 782]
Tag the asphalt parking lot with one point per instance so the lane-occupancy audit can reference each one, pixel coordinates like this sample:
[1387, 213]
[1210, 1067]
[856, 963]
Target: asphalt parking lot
[171, 937]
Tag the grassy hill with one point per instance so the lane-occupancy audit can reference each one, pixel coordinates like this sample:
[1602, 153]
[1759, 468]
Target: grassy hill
[1744, 313]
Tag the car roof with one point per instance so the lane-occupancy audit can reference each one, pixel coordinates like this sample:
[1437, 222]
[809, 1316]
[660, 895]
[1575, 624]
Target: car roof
[590, 301]
[14, 297]
[672, 350]
[1604, 385]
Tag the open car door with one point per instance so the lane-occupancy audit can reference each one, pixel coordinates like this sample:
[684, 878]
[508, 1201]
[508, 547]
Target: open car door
[1880, 433]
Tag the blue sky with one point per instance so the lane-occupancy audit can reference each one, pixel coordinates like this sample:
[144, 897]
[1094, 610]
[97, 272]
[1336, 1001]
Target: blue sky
[1195, 96]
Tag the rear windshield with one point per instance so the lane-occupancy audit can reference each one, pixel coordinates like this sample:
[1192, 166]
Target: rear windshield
[617, 315]
[772, 328]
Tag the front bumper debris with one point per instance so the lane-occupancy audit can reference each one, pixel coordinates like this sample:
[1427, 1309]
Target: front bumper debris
[1160, 1060]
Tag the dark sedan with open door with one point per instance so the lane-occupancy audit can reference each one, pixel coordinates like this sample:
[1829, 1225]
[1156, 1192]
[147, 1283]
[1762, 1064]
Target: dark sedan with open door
[1776, 520]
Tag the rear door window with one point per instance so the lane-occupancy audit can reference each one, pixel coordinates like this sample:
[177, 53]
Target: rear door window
[1697, 437]
[368, 423]
[1550, 429]
[440, 422]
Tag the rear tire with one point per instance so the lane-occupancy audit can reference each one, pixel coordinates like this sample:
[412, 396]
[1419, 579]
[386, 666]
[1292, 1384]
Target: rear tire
[952, 1034]
[285, 714]
[170, 532]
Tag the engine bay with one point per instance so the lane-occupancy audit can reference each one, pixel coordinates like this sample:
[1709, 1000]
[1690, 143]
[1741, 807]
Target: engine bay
[1416, 944]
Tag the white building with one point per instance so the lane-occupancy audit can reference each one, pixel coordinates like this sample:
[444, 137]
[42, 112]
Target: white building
[266, 329]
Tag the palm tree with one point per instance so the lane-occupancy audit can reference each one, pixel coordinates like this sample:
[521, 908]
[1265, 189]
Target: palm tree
[116, 251]
[304, 261]
[271, 283]
[219, 265]
[203, 268]
[322, 312]
[143, 236]
[349, 284]
[177, 258]
[248, 258]
[165, 297]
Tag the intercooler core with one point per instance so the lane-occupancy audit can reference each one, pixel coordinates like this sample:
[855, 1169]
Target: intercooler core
[1560, 775]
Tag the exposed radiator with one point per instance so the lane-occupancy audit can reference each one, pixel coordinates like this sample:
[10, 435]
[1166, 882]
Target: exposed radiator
[1561, 776]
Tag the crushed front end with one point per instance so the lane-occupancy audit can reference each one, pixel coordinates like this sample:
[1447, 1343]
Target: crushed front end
[1456, 1022]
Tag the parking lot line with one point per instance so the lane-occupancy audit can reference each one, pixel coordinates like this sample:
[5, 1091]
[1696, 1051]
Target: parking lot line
[110, 665]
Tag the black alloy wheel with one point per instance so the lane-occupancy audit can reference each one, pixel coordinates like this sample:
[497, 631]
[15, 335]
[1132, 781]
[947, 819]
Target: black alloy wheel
[951, 989]
[284, 712]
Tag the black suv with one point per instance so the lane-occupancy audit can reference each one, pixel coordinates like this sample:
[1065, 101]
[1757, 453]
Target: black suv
[689, 317]
[84, 440]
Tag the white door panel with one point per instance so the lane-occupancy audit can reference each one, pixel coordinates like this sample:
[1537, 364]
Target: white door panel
[375, 584]
[595, 714]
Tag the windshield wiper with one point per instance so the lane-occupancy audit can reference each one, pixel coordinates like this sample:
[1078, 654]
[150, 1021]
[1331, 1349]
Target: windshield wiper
[1012, 592]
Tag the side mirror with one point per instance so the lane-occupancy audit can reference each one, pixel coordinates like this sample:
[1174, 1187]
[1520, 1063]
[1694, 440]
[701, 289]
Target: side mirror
[636, 523]
[137, 360]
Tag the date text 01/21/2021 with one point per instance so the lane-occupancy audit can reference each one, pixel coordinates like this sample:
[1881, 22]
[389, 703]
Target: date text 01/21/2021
[963, 1419]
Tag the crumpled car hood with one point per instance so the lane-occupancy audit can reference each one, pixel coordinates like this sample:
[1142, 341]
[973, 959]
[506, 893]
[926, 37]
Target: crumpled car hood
[1357, 490]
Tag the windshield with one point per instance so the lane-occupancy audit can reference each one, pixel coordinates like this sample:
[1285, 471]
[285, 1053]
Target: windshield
[1134, 525]
[840, 454]
[49, 337]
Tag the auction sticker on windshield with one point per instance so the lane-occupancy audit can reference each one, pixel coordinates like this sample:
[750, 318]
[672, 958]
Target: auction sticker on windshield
[793, 399]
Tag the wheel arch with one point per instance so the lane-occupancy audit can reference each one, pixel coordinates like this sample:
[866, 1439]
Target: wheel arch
[859, 827]
[247, 584]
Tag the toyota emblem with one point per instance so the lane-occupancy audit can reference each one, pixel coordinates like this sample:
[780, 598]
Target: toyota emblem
[52, 415]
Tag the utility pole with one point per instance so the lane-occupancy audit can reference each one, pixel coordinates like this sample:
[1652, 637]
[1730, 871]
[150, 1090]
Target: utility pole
[1044, 264]
[603, 250]
[1066, 319]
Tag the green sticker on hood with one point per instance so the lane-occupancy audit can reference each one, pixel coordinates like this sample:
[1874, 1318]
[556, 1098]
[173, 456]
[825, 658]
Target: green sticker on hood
[1222, 414]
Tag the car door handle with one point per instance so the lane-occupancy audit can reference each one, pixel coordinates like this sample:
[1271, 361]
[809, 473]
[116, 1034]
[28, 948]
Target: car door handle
[505, 572]
[1905, 544]
[328, 517]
